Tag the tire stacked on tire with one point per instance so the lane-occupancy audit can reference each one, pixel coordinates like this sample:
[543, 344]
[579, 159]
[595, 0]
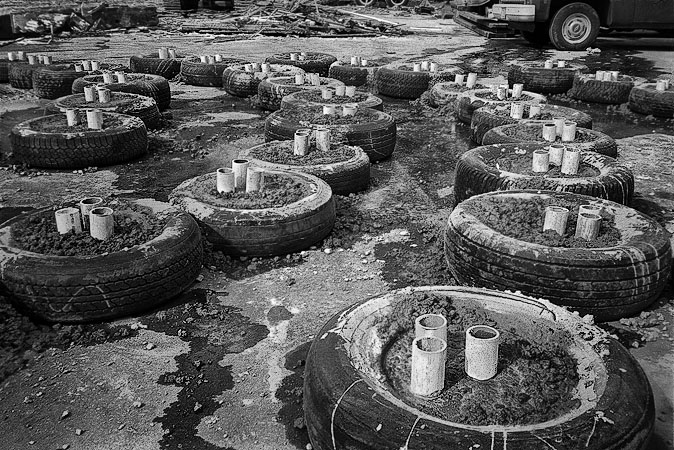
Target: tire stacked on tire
[145, 108]
[313, 62]
[402, 82]
[478, 171]
[586, 140]
[492, 116]
[557, 80]
[312, 98]
[151, 64]
[469, 101]
[271, 91]
[377, 137]
[645, 99]
[344, 177]
[236, 81]
[260, 232]
[588, 89]
[54, 81]
[348, 403]
[124, 141]
[196, 73]
[609, 282]
[76, 289]
[153, 86]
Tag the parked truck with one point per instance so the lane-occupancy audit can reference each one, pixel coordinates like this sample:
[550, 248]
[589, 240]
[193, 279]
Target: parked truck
[568, 25]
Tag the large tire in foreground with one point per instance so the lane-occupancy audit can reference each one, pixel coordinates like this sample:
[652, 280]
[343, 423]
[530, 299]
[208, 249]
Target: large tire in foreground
[403, 82]
[531, 131]
[644, 99]
[538, 79]
[123, 139]
[492, 116]
[348, 403]
[344, 177]
[74, 289]
[260, 232]
[609, 282]
[271, 91]
[588, 89]
[145, 108]
[236, 81]
[467, 102]
[313, 98]
[479, 171]
[377, 138]
[54, 81]
[153, 86]
[313, 62]
[196, 73]
[152, 64]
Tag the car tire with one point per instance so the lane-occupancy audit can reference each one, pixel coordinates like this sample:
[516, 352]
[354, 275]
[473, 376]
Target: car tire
[574, 27]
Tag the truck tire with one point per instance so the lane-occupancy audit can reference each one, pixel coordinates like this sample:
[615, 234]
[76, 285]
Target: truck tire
[54, 81]
[644, 99]
[588, 89]
[236, 81]
[314, 63]
[152, 64]
[538, 79]
[196, 73]
[574, 27]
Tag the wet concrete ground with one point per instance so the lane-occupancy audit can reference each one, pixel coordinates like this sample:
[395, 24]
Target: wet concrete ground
[221, 366]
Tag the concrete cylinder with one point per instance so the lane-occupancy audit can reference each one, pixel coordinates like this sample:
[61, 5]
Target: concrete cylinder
[326, 94]
[540, 161]
[217, 58]
[425, 65]
[163, 53]
[79, 68]
[354, 60]
[11, 56]
[240, 168]
[472, 80]
[458, 78]
[660, 85]
[301, 57]
[224, 180]
[517, 90]
[107, 78]
[293, 56]
[101, 223]
[434, 67]
[248, 68]
[86, 205]
[534, 110]
[516, 110]
[172, 53]
[569, 131]
[301, 145]
[599, 75]
[322, 139]
[431, 325]
[501, 93]
[104, 95]
[416, 67]
[548, 64]
[349, 109]
[299, 79]
[94, 119]
[549, 132]
[90, 94]
[587, 226]
[254, 179]
[329, 109]
[614, 75]
[350, 91]
[428, 365]
[556, 152]
[210, 59]
[121, 77]
[266, 68]
[571, 161]
[561, 64]
[73, 117]
[95, 65]
[47, 60]
[555, 219]
[68, 220]
[32, 60]
[482, 343]
[340, 91]
[86, 64]
[315, 79]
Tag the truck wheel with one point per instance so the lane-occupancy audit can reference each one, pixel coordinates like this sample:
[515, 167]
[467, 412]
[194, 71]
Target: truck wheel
[365, 2]
[538, 37]
[394, 3]
[574, 27]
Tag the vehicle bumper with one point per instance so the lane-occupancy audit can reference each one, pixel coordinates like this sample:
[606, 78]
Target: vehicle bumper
[514, 13]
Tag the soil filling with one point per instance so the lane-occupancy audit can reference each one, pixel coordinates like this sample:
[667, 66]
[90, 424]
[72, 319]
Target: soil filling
[523, 219]
[278, 191]
[130, 78]
[535, 133]
[58, 124]
[313, 116]
[291, 81]
[117, 100]
[517, 163]
[535, 382]
[543, 115]
[492, 96]
[315, 96]
[282, 153]
[307, 57]
[134, 225]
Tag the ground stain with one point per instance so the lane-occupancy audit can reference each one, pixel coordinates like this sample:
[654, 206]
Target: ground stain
[290, 393]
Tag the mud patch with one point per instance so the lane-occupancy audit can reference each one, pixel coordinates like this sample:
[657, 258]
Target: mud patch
[290, 393]
[315, 117]
[535, 133]
[316, 96]
[522, 164]
[282, 153]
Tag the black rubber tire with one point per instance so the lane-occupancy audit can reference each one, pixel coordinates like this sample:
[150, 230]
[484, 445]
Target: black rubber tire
[196, 73]
[557, 80]
[76, 289]
[20, 74]
[153, 65]
[485, 118]
[239, 83]
[92, 148]
[600, 143]
[344, 177]
[346, 406]
[644, 99]
[145, 108]
[4, 70]
[54, 81]
[153, 86]
[586, 88]
[300, 100]
[539, 37]
[270, 91]
[560, 26]
[262, 232]
[469, 101]
[377, 138]
[608, 282]
[355, 76]
[476, 173]
[407, 84]
[315, 63]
